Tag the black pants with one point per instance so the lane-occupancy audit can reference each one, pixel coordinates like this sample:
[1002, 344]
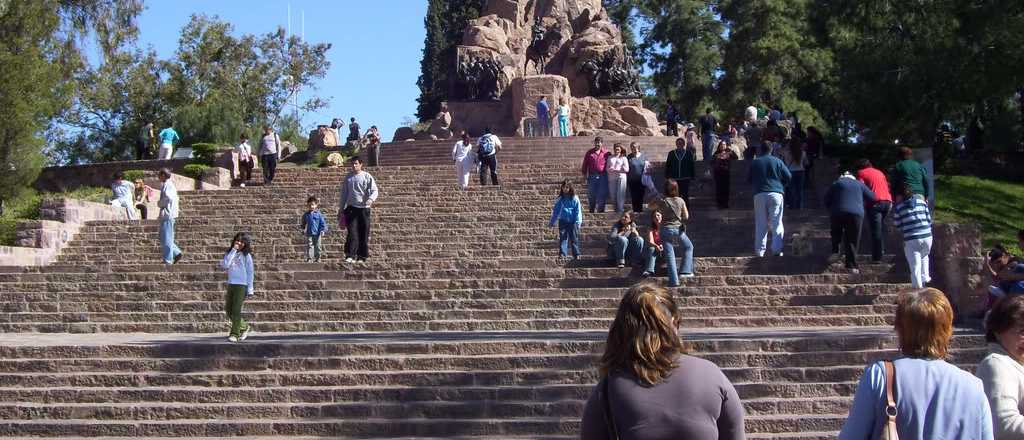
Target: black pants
[489, 162]
[142, 209]
[846, 231]
[684, 190]
[722, 188]
[672, 128]
[245, 170]
[876, 221]
[141, 149]
[269, 167]
[357, 238]
[636, 193]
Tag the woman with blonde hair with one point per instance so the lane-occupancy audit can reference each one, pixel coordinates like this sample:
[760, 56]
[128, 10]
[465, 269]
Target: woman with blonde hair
[932, 398]
[650, 388]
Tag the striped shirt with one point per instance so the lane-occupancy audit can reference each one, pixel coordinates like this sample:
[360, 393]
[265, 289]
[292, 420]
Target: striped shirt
[913, 218]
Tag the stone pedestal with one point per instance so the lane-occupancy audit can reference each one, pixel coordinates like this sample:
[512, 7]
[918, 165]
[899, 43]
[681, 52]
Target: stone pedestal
[526, 91]
[475, 116]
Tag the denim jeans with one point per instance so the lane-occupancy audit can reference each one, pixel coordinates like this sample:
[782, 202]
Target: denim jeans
[167, 246]
[269, 167]
[876, 220]
[708, 145]
[314, 247]
[620, 248]
[671, 238]
[651, 258]
[568, 232]
[597, 191]
[795, 190]
[768, 207]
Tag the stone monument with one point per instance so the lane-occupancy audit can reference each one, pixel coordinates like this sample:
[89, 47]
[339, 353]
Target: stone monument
[566, 50]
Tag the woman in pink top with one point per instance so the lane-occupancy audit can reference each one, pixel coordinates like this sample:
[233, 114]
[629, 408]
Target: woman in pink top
[618, 169]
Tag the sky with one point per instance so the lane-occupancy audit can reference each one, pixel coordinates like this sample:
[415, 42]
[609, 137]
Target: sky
[375, 53]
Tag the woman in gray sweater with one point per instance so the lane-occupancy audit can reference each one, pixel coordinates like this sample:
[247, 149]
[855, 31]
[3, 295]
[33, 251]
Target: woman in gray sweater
[650, 388]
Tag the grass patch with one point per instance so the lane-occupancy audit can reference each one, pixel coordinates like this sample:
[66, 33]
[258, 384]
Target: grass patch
[993, 204]
[26, 207]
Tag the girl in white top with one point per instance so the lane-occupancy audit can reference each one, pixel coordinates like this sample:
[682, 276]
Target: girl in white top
[563, 119]
[246, 161]
[1002, 371]
[618, 170]
[462, 154]
[124, 192]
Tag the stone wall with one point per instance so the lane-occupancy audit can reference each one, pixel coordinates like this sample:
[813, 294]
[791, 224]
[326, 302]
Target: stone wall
[61, 179]
[40, 241]
[957, 264]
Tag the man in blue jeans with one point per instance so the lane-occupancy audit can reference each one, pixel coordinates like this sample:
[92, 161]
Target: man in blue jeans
[543, 118]
[597, 178]
[707, 124]
[168, 213]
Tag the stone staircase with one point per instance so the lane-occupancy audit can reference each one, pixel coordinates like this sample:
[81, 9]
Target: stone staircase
[463, 323]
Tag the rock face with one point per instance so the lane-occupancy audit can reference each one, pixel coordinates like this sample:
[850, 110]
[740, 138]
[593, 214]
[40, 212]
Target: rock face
[535, 42]
[403, 133]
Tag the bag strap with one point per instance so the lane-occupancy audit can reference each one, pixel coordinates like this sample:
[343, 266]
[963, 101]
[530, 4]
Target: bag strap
[613, 432]
[889, 428]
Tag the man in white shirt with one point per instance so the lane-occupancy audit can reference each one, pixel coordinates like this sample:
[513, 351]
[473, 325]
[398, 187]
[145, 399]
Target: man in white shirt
[168, 214]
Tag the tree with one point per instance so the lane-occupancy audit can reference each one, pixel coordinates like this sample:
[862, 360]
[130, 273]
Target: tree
[216, 87]
[906, 68]
[771, 56]
[40, 58]
[682, 44]
[445, 23]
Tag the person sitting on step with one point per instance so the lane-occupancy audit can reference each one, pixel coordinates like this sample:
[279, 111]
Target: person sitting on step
[1007, 273]
[568, 213]
[650, 387]
[654, 246]
[143, 196]
[624, 241]
[241, 273]
[124, 192]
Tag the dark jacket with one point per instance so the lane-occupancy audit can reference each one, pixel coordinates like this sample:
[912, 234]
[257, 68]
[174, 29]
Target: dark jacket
[681, 164]
[848, 195]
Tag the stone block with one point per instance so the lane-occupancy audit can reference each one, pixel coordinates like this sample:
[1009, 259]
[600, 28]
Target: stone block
[526, 91]
[403, 133]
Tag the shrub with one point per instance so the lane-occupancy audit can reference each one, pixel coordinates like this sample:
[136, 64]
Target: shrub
[133, 175]
[204, 153]
[195, 171]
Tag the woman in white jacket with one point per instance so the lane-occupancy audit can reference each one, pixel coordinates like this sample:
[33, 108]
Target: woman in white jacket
[1002, 371]
[462, 154]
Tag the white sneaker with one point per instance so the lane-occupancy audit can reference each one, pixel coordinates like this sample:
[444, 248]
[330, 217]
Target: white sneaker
[242, 185]
[232, 339]
[245, 334]
[686, 275]
[350, 260]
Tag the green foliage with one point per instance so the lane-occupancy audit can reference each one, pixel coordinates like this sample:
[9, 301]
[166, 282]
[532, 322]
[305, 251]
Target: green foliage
[133, 175]
[205, 153]
[195, 170]
[990, 203]
[216, 87]
[445, 22]
[683, 47]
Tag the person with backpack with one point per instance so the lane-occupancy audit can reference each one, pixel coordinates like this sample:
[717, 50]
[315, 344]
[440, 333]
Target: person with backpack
[270, 151]
[487, 153]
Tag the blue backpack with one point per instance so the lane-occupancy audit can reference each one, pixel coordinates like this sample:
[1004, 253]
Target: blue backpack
[486, 145]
